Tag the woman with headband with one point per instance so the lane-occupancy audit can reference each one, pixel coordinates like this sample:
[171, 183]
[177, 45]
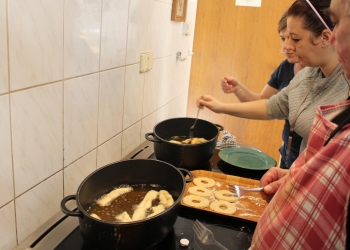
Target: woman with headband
[280, 78]
[321, 82]
[310, 209]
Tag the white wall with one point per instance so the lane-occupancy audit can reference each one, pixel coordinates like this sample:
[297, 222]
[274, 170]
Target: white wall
[72, 98]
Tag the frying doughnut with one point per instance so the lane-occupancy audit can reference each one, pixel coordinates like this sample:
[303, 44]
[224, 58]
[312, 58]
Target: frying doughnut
[176, 142]
[200, 191]
[123, 217]
[204, 182]
[146, 203]
[165, 198]
[223, 207]
[156, 210]
[95, 216]
[225, 195]
[195, 201]
[108, 198]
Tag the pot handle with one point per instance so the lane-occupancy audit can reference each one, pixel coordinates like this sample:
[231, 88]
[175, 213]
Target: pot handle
[221, 128]
[66, 210]
[186, 173]
[153, 139]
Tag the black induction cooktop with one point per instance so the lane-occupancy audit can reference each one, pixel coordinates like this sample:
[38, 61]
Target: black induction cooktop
[62, 232]
[232, 234]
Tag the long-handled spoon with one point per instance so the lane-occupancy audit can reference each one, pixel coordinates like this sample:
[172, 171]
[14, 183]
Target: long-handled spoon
[192, 128]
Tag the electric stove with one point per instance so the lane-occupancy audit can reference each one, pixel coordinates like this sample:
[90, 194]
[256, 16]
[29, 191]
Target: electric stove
[61, 232]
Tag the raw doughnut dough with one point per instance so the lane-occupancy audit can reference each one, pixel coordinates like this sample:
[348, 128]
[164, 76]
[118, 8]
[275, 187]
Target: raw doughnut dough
[225, 195]
[108, 198]
[223, 207]
[165, 198]
[196, 201]
[200, 191]
[204, 182]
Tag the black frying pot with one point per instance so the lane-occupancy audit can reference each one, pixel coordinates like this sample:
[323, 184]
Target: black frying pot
[141, 234]
[181, 155]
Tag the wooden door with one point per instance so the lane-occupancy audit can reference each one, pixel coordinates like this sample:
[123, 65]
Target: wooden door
[241, 42]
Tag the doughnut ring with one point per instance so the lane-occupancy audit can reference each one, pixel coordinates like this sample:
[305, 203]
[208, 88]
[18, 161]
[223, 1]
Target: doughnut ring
[204, 182]
[223, 207]
[200, 191]
[195, 201]
[225, 195]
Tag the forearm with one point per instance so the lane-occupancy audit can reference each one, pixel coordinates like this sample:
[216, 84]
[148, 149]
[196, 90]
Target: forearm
[245, 95]
[256, 110]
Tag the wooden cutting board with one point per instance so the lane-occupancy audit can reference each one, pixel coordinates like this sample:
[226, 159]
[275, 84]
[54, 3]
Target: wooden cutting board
[249, 207]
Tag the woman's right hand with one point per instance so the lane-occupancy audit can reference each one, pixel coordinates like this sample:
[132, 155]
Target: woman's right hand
[211, 103]
[229, 84]
[273, 179]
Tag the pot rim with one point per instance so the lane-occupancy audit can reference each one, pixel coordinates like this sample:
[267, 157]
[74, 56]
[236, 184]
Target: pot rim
[186, 145]
[85, 213]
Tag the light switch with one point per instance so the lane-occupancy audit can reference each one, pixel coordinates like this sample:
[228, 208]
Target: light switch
[146, 62]
[186, 28]
[143, 62]
[150, 61]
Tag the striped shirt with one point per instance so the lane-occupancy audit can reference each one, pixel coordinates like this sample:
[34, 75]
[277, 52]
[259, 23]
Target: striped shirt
[310, 209]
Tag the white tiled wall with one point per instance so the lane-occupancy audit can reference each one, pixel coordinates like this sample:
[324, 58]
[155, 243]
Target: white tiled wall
[72, 99]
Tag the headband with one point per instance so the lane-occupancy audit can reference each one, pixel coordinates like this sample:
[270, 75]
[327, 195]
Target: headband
[319, 16]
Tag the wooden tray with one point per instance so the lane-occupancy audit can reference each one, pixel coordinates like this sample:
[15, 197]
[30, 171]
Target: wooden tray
[249, 207]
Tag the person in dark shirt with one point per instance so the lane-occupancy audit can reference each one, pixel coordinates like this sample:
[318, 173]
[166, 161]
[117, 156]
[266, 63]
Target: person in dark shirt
[280, 78]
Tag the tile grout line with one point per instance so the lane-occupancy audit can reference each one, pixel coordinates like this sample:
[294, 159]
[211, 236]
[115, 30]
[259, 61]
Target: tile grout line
[99, 84]
[10, 118]
[63, 84]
